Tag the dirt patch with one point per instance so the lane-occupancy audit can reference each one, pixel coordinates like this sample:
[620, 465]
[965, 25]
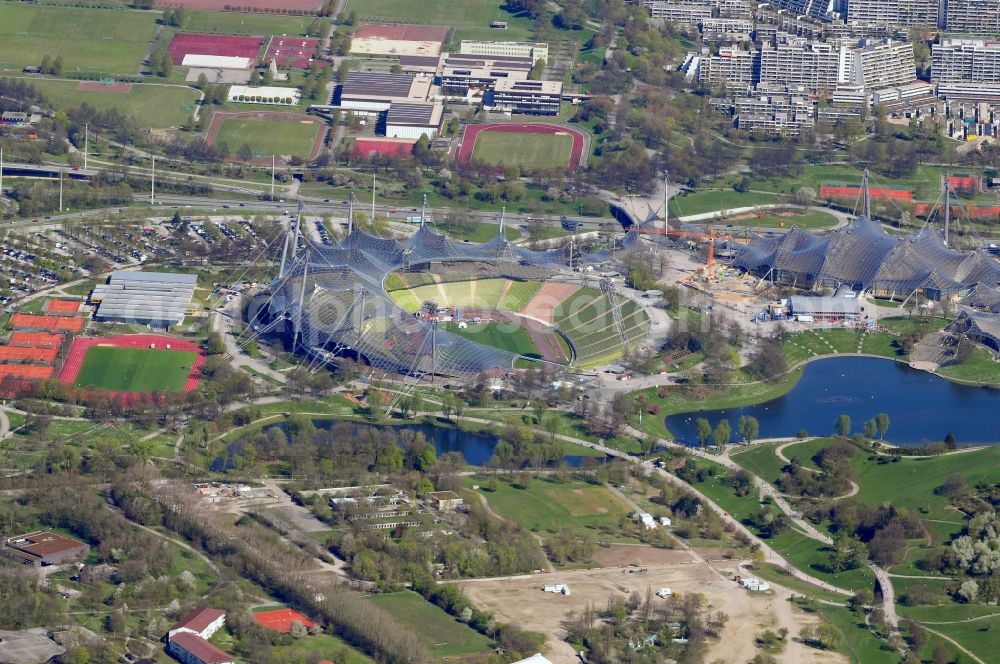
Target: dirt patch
[521, 600]
[641, 555]
[97, 86]
[542, 306]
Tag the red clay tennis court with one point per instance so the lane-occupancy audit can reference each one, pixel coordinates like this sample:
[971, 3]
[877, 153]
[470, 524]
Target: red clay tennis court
[42, 322]
[35, 339]
[281, 620]
[26, 371]
[291, 51]
[62, 306]
[189, 43]
[28, 354]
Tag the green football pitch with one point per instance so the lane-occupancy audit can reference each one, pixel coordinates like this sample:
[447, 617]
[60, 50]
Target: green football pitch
[498, 335]
[546, 151]
[267, 137]
[135, 369]
[93, 40]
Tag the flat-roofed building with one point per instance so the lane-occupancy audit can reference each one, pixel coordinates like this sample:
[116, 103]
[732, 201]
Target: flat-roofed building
[535, 51]
[413, 120]
[419, 64]
[461, 73]
[43, 548]
[374, 92]
[216, 61]
[686, 13]
[731, 69]
[398, 39]
[882, 64]
[725, 29]
[160, 299]
[528, 97]
[735, 8]
[973, 16]
[819, 9]
[812, 65]
[966, 60]
[895, 13]
[786, 110]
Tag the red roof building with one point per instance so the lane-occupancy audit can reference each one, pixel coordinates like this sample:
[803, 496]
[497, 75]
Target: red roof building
[192, 649]
[281, 620]
[43, 548]
[201, 622]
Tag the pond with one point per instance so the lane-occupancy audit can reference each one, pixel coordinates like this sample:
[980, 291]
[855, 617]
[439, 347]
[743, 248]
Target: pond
[922, 407]
[477, 448]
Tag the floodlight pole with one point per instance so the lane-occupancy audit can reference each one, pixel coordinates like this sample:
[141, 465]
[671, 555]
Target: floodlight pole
[867, 197]
[298, 225]
[423, 211]
[947, 208]
[373, 200]
[272, 177]
[350, 215]
[61, 188]
[152, 183]
[86, 144]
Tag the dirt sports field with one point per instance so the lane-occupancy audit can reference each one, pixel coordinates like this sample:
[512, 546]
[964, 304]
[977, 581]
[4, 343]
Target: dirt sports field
[265, 116]
[97, 86]
[78, 351]
[520, 600]
[468, 144]
[304, 6]
[548, 297]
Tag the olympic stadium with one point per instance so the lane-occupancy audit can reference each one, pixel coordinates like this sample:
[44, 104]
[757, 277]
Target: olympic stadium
[331, 301]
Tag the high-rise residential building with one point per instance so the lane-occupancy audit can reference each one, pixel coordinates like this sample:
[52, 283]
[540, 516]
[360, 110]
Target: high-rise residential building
[688, 12]
[972, 16]
[785, 110]
[893, 12]
[966, 60]
[735, 8]
[814, 66]
[882, 64]
[732, 69]
[822, 9]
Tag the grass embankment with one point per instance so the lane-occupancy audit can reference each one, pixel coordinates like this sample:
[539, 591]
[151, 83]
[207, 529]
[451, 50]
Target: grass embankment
[444, 636]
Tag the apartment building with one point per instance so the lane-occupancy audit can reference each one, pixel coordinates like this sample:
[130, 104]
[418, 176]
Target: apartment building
[735, 8]
[691, 12]
[966, 60]
[732, 69]
[771, 21]
[821, 9]
[505, 49]
[788, 110]
[972, 16]
[882, 64]
[724, 29]
[893, 12]
[814, 66]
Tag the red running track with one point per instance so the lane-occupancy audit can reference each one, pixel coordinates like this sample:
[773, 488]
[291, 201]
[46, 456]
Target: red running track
[465, 149]
[74, 358]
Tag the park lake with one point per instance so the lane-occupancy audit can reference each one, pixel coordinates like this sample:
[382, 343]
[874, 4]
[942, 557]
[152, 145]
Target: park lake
[922, 407]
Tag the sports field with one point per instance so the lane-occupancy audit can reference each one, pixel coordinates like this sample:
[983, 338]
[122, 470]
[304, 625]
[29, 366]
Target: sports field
[267, 137]
[548, 151]
[100, 40]
[154, 106]
[498, 335]
[233, 23]
[135, 369]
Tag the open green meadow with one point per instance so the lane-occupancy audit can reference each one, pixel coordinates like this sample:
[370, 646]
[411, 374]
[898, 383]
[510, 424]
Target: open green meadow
[444, 636]
[154, 106]
[980, 367]
[238, 23]
[498, 335]
[93, 40]
[714, 200]
[470, 19]
[548, 507]
[762, 461]
[135, 369]
[543, 151]
[814, 219]
[267, 137]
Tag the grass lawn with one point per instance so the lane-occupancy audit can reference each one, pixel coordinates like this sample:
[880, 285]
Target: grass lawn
[980, 367]
[327, 646]
[267, 137]
[470, 19]
[498, 335]
[547, 507]
[135, 369]
[981, 637]
[443, 635]
[154, 106]
[498, 148]
[764, 463]
[904, 324]
[714, 200]
[808, 220]
[477, 233]
[97, 40]
[233, 23]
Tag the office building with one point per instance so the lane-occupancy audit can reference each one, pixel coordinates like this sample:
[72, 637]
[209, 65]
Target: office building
[529, 97]
[460, 73]
[505, 49]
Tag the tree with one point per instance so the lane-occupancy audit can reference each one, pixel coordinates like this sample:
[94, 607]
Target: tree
[704, 431]
[870, 428]
[723, 433]
[940, 655]
[842, 426]
[748, 427]
[758, 558]
[950, 441]
[882, 420]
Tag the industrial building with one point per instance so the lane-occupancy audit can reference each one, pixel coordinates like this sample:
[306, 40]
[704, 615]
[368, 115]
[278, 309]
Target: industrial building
[534, 51]
[374, 92]
[43, 548]
[413, 120]
[158, 299]
[529, 97]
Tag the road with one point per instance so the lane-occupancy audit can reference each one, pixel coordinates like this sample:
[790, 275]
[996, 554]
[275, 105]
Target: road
[222, 324]
[4, 424]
